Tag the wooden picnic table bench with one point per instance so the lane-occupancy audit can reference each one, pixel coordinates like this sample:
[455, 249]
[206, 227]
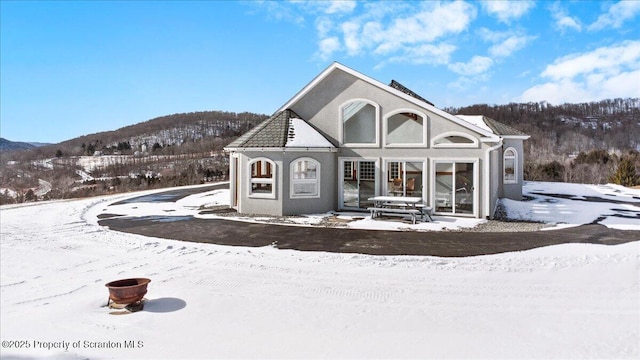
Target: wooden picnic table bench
[400, 205]
[413, 213]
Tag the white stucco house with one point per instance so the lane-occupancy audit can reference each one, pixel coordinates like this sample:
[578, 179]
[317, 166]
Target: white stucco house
[346, 137]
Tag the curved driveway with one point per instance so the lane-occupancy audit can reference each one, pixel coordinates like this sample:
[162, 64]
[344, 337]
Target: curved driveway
[377, 242]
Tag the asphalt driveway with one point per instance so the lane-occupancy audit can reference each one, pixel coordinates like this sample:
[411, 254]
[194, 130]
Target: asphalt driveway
[376, 242]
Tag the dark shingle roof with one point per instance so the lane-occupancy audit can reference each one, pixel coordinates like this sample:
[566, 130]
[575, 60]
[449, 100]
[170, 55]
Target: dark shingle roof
[272, 132]
[501, 129]
[396, 85]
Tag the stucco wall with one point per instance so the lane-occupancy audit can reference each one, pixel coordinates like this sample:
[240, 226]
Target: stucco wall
[321, 107]
[328, 185]
[514, 191]
[283, 204]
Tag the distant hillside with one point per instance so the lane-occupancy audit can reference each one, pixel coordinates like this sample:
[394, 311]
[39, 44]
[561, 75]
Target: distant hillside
[560, 131]
[173, 150]
[8, 145]
[171, 134]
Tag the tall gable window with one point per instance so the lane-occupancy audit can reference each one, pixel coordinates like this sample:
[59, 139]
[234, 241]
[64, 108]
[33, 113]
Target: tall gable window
[405, 128]
[510, 163]
[359, 123]
[305, 178]
[454, 139]
[262, 182]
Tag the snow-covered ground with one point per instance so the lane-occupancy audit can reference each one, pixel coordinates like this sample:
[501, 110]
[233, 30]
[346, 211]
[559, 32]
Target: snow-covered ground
[559, 205]
[211, 301]
[568, 205]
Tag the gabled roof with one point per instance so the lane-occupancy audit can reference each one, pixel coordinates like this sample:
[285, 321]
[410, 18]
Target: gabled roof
[494, 126]
[285, 129]
[410, 98]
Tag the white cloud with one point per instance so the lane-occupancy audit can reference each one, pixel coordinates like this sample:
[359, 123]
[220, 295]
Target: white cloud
[439, 54]
[567, 22]
[281, 11]
[491, 36]
[606, 72]
[340, 6]
[509, 45]
[409, 32]
[608, 60]
[323, 26]
[505, 43]
[477, 65]
[328, 46]
[563, 21]
[617, 15]
[351, 41]
[505, 11]
[422, 27]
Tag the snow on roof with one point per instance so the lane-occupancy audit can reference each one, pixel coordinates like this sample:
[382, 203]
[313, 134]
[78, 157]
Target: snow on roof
[301, 134]
[477, 120]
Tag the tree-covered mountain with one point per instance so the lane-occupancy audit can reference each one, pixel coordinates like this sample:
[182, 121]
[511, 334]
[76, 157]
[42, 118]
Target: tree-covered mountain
[178, 149]
[572, 142]
[8, 145]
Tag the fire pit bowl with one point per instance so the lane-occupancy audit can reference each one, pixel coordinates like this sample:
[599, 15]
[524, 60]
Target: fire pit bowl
[127, 291]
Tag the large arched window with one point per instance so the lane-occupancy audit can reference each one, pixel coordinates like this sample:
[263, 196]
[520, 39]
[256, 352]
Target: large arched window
[405, 127]
[262, 183]
[359, 123]
[454, 139]
[305, 178]
[510, 166]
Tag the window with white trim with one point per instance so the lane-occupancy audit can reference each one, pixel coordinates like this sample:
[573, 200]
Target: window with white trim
[305, 178]
[359, 122]
[405, 128]
[510, 165]
[262, 182]
[454, 139]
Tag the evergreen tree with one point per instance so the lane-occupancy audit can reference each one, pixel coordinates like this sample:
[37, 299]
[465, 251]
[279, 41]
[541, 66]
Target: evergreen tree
[626, 174]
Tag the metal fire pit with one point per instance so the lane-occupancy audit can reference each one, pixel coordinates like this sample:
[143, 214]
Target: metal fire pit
[127, 291]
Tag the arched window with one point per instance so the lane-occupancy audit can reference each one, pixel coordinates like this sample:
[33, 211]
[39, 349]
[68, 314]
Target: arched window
[405, 127]
[262, 182]
[305, 178]
[454, 139]
[510, 165]
[359, 123]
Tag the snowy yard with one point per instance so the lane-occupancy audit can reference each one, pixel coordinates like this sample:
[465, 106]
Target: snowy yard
[211, 301]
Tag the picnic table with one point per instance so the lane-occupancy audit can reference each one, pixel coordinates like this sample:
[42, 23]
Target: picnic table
[400, 205]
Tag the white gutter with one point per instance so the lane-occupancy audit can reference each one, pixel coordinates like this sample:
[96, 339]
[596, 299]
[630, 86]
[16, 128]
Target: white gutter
[487, 176]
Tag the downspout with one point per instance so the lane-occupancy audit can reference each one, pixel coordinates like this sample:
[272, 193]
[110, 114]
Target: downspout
[488, 176]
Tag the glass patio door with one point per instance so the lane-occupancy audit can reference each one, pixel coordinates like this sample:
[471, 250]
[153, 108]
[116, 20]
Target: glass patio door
[358, 183]
[455, 187]
[404, 178]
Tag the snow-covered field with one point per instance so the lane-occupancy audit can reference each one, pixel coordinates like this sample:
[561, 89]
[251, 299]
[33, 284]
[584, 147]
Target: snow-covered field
[211, 301]
[559, 205]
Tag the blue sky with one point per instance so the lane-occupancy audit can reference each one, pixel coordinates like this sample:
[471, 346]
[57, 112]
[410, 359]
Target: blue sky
[74, 68]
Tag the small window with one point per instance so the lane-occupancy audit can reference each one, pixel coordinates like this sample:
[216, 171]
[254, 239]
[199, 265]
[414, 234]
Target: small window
[367, 170]
[454, 140]
[359, 123]
[305, 178]
[262, 178]
[405, 128]
[348, 170]
[510, 163]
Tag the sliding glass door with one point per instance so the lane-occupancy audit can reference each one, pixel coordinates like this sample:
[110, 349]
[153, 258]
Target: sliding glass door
[358, 178]
[404, 178]
[455, 186]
